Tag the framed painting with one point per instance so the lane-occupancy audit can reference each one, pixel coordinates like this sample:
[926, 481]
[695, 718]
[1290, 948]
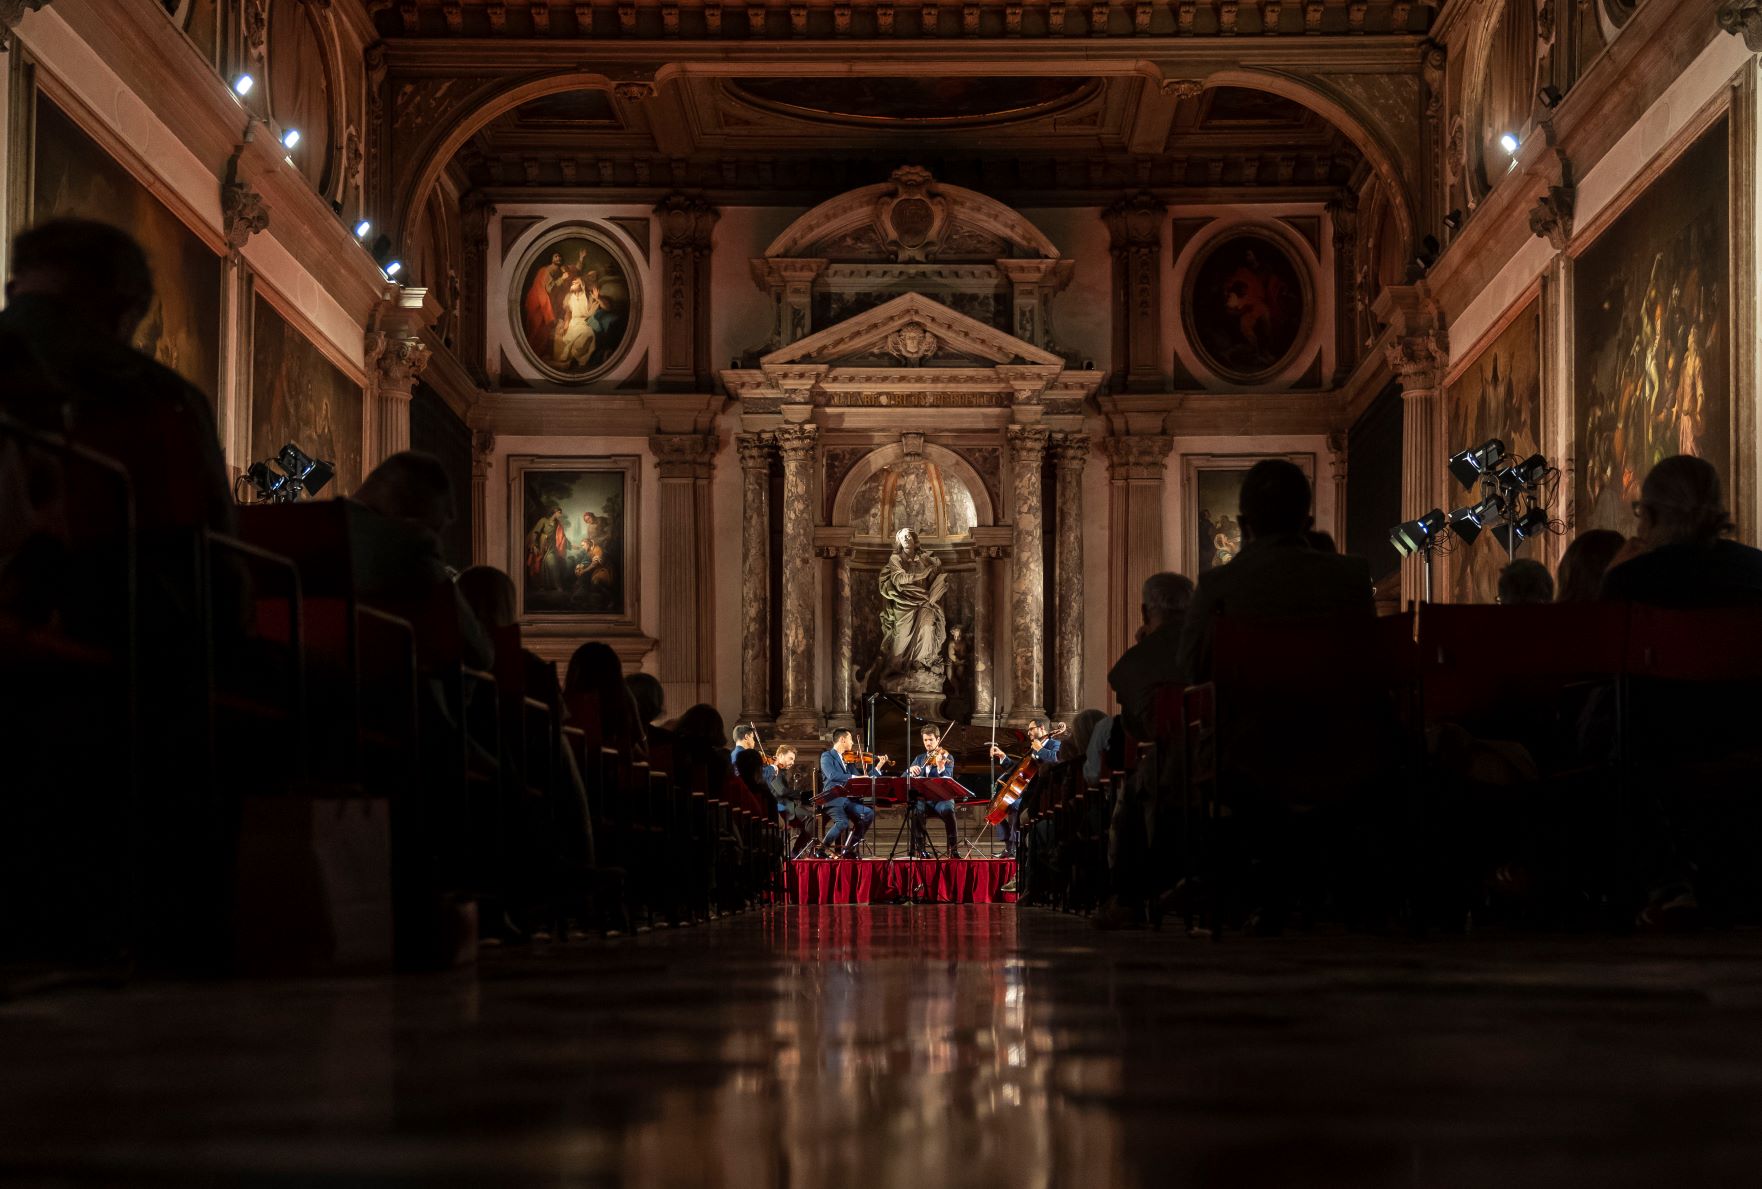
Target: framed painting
[1247, 305]
[1498, 394]
[1212, 488]
[574, 303]
[73, 176]
[571, 523]
[299, 396]
[1652, 334]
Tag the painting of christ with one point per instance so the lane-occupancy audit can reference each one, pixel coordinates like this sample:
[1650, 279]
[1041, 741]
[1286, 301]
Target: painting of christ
[1652, 345]
[574, 303]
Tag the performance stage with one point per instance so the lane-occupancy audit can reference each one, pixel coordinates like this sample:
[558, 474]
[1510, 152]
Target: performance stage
[900, 881]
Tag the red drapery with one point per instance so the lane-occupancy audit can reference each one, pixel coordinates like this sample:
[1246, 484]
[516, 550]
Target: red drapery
[883, 881]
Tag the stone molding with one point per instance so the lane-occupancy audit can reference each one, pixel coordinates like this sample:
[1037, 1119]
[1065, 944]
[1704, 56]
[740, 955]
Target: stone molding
[1139, 456]
[684, 456]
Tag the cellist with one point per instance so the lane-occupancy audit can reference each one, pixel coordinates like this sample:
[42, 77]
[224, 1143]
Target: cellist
[1043, 749]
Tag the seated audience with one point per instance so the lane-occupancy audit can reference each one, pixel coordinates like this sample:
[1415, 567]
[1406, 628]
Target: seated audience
[651, 702]
[1689, 558]
[1584, 563]
[397, 560]
[699, 736]
[1154, 659]
[1525, 583]
[1321, 542]
[598, 700]
[1278, 573]
[746, 788]
[1083, 728]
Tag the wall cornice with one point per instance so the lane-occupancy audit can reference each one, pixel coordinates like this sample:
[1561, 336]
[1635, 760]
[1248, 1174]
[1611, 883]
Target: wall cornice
[527, 414]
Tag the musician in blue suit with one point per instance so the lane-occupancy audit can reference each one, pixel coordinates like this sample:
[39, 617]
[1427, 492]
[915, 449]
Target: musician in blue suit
[932, 761]
[849, 816]
[1044, 749]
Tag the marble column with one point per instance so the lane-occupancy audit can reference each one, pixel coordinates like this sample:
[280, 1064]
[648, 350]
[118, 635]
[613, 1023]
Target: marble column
[483, 445]
[839, 706]
[1069, 452]
[800, 717]
[984, 640]
[1136, 491]
[685, 464]
[1028, 576]
[756, 450]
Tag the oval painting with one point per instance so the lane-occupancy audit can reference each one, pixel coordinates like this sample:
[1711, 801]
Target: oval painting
[574, 300]
[1246, 306]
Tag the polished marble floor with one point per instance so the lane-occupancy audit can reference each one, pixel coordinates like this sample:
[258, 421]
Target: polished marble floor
[912, 1048]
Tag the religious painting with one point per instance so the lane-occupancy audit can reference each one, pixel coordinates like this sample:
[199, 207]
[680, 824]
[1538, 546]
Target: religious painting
[572, 520]
[1652, 335]
[1497, 395]
[1213, 490]
[575, 299]
[1246, 305]
[299, 396]
[74, 177]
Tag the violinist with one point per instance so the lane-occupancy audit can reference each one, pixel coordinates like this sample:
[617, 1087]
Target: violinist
[934, 760]
[1043, 749]
[746, 737]
[849, 816]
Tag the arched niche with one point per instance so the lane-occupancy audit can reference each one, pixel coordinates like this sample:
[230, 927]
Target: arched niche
[913, 212]
[956, 477]
[1500, 91]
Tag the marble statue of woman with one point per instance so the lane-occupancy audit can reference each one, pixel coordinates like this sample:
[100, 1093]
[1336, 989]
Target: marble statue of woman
[912, 624]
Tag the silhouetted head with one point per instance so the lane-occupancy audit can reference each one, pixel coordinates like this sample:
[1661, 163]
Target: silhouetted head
[702, 724]
[1681, 503]
[595, 669]
[745, 736]
[1275, 499]
[490, 595]
[1525, 582]
[749, 766]
[1584, 563]
[86, 264]
[650, 697]
[410, 486]
[1166, 598]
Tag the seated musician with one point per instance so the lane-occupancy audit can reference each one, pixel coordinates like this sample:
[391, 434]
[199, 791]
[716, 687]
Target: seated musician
[746, 737]
[1042, 749]
[797, 815]
[849, 816]
[934, 760]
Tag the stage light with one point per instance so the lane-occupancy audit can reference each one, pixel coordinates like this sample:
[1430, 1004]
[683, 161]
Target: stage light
[310, 473]
[1453, 220]
[393, 268]
[363, 229]
[1469, 465]
[241, 86]
[1509, 142]
[267, 482]
[1414, 535]
[1513, 533]
[1550, 96]
[290, 138]
[1468, 522]
[1528, 473]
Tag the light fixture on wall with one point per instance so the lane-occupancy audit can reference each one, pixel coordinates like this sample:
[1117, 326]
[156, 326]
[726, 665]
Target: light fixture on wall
[1550, 96]
[1509, 142]
[1429, 247]
[363, 229]
[1453, 220]
[393, 268]
[290, 138]
[241, 86]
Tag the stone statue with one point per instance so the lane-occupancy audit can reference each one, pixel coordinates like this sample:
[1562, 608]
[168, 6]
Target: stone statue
[912, 624]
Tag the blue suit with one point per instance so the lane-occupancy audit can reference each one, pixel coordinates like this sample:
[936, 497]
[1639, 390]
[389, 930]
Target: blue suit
[942, 809]
[847, 815]
[1046, 753]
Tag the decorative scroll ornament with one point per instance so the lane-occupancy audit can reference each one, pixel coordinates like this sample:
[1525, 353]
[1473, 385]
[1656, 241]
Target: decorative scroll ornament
[1551, 217]
[911, 220]
[242, 214]
[1743, 18]
[1182, 88]
[912, 344]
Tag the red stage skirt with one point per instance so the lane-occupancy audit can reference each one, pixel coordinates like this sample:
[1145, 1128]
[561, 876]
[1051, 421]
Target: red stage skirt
[889, 881]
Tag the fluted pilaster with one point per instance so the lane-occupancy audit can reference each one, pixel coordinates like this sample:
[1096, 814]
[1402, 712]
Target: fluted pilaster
[799, 445]
[756, 452]
[684, 465]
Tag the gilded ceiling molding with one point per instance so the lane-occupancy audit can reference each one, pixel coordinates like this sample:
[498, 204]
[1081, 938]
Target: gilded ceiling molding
[11, 13]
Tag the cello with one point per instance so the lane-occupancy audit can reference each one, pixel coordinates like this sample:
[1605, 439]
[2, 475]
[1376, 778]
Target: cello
[1016, 781]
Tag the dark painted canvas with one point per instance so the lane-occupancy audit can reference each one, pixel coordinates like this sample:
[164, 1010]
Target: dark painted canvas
[573, 560]
[299, 396]
[1652, 335]
[1498, 395]
[1246, 306]
[75, 177]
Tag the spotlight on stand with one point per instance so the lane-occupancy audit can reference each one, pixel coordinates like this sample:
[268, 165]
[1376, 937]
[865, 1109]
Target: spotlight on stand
[1513, 533]
[1414, 536]
[284, 478]
[1468, 522]
[1528, 473]
[1469, 465]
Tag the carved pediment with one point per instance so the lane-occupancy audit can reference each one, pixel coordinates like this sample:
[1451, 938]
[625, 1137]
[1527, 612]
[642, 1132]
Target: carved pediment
[911, 330]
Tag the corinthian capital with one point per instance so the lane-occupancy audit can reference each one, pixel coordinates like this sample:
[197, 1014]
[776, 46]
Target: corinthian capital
[796, 442]
[396, 362]
[755, 451]
[1418, 361]
[1070, 450]
[1027, 443]
[1138, 456]
[684, 455]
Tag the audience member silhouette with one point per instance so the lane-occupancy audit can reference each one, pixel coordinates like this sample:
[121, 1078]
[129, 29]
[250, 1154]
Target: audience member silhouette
[1525, 583]
[1582, 566]
[597, 699]
[1689, 561]
[397, 558]
[1278, 573]
[650, 698]
[1155, 659]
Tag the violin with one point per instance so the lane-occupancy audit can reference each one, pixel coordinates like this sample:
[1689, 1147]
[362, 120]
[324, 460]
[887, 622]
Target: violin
[863, 759]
